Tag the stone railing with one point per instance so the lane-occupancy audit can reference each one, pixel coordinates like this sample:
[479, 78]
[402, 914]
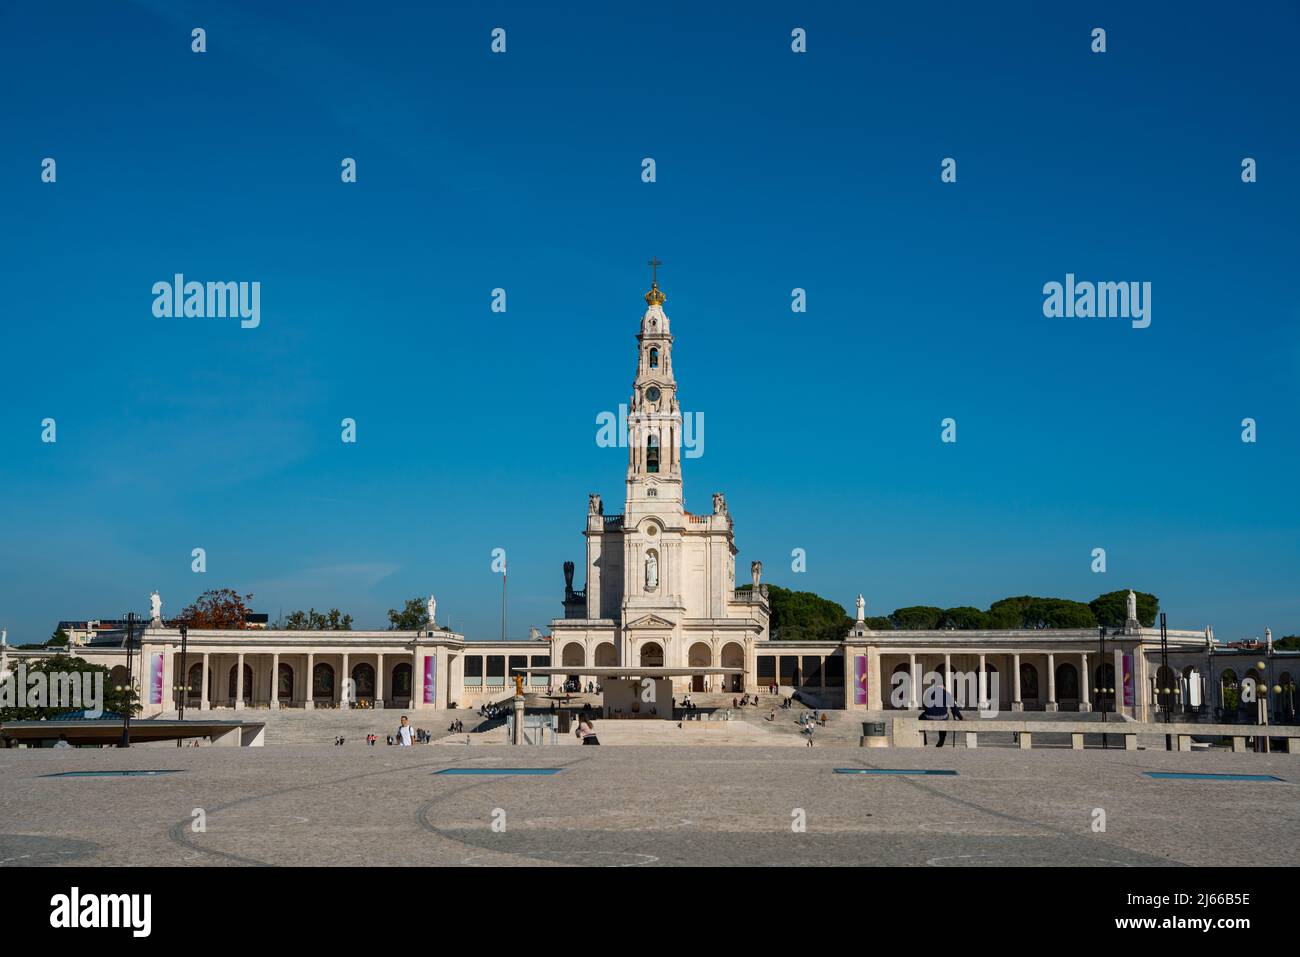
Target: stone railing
[911, 732]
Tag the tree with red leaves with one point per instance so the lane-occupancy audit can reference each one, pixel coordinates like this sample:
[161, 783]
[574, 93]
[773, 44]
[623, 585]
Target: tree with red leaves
[218, 608]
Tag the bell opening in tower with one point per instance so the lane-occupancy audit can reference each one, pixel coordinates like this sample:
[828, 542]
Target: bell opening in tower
[652, 454]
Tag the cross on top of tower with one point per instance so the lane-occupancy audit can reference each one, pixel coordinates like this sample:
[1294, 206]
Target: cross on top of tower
[654, 297]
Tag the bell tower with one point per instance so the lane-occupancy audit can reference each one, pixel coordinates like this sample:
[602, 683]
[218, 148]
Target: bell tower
[654, 421]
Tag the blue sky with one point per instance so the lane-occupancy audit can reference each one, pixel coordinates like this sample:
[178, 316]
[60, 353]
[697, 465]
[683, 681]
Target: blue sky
[476, 430]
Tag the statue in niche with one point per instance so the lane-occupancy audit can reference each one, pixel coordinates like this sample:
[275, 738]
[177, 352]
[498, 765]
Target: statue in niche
[651, 571]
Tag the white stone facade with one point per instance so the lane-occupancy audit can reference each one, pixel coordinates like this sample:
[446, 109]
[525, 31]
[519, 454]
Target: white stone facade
[660, 581]
[660, 592]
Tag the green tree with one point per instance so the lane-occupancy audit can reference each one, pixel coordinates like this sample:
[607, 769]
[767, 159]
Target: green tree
[879, 623]
[115, 702]
[413, 617]
[1009, 612]
[1058, 613]
[1289, 643]
[313, 620]
[804, 616]
[58, 640]
[1111, 609]
[917, 618]
[964, 618]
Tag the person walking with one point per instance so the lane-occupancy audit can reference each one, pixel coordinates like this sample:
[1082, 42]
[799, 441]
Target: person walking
[405, 733]
[938, 703]
[586, 733]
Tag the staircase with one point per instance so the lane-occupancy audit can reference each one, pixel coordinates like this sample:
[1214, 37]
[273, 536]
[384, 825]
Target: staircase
[298, 727]
[689, 733]
[295, 727]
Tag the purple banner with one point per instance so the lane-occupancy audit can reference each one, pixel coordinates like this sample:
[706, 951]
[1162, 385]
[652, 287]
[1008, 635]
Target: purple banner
[1128, 681]
[430, 680]
[156, 679]
[860, 679]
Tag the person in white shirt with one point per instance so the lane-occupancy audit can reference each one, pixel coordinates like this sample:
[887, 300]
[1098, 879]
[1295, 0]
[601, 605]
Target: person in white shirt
[405, 733]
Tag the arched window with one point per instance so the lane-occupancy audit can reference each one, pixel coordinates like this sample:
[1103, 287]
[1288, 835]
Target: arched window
[322, 681]
[652, 454]
[1229, 690]
[1067, 681]
[363, 680]
[401, 687]
[1028, 681]
[654, 358]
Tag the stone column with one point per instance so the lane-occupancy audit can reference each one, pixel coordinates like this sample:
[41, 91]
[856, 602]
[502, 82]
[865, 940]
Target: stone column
[875, 693]
[1016, 703]
[915, 681]
[1051, 684]
[1085, 704]
[983, 686]
[170, 665]
[1119, 682]
[379, 680]
[417, 678]
[947, 671]
[343, 685]
[239, 683]
[275, 680]
[204, 703]
[307, 701]
[518, 703]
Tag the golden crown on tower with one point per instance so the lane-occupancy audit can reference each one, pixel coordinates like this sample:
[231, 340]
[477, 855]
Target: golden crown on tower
[654, 297]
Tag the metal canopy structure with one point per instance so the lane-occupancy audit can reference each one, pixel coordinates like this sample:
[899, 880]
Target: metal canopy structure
[107, 731]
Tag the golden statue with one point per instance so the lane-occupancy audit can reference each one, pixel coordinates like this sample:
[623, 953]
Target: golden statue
[519, 686]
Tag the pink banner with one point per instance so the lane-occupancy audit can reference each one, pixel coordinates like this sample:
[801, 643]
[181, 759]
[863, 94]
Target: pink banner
[430, 680]
[1128, 681]
[860, 679]
[156, 679]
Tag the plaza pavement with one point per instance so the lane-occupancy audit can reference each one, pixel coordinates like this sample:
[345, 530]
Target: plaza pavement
[645, 806]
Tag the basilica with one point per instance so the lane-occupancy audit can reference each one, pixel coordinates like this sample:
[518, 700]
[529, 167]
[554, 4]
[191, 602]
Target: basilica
[659, 601]
[661, 581]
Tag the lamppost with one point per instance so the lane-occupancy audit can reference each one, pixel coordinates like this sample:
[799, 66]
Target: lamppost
[1165, 675]
[1261, 706]
[1218, 694]
[1100, 693]
[182, 689]
[126, 710]
[185, 673]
